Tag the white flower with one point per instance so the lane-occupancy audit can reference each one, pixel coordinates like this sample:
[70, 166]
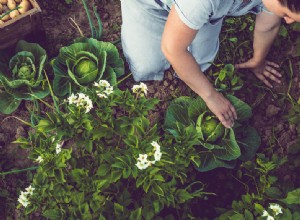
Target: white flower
[89, 105]
[109, 90]
[157, 156]
[156, 146]
[23, 199]
[142, 158]
[101, 96]
[105, 89]
[81, 100]
[142, 88]
[141, 165]
[104, 83]
[29, 190]
[58, 147]
[96, 84]
[72, 99]
[270, 217]
[39, 159]
[276, 208]
[265, 213]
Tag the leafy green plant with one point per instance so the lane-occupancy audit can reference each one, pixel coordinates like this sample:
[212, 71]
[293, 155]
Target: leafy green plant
[268, 201]
[22, 77]
[83, 63]
[227, 80]
[100, 158]
[215, 145]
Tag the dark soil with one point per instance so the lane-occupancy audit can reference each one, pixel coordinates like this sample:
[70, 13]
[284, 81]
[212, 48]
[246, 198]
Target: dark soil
[269, 105]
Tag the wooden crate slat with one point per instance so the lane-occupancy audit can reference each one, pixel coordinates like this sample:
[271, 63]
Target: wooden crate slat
[16, 29]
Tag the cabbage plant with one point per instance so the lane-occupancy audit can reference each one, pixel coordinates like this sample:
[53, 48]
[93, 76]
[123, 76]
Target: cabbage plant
[83, 63]
[22, 76]
[216, 145]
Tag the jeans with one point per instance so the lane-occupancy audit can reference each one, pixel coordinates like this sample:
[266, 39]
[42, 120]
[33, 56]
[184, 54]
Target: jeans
[141, 34]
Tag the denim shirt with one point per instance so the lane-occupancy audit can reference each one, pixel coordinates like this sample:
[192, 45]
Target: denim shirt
[196, 13]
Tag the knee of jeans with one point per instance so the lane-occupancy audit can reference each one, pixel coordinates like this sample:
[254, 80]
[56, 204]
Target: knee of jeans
[147, 70]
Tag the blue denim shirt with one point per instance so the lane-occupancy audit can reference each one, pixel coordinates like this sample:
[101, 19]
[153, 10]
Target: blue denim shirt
[196, 13]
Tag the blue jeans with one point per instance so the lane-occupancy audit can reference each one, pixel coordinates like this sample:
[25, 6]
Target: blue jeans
[141, 33]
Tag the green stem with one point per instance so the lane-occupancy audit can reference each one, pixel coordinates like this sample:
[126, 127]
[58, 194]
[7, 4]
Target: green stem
[18, 171]
[99, 32]
[88, 14]
[54, 98]
[116, 41]
[291, 80]
[123, 79]
[6, 13]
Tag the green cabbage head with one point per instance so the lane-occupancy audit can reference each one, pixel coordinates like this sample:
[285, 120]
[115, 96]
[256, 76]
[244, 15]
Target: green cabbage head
[191, 123]
[85, 62]
[21, 76]
[210, 127]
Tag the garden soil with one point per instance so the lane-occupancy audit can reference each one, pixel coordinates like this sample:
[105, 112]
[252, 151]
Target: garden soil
[59, 30]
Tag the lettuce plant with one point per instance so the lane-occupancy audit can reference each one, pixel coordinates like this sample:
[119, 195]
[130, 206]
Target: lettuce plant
[22, 76]
[83, 63]
[216, 145]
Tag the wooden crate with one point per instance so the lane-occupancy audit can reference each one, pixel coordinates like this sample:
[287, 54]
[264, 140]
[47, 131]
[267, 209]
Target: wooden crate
[16, 29]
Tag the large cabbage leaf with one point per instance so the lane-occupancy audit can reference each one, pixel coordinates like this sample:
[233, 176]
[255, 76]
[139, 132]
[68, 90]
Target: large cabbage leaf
[83, 63]
[22, 76]
[241, 142]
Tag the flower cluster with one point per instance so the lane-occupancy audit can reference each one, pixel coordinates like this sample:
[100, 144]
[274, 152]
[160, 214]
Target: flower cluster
[142, 160]
[23, 198]
[277, 209]
[141, 89]
[81, 101]
[104, 87]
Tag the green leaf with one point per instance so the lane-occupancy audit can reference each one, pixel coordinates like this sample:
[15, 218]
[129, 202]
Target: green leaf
[103, 170]
[293, 197]
[249, 141]
[8, 104]
[248, 215]
[52, 214]
[243, 110]
[59, 175]
[118, 209]
[183, 196]
[136, 214]
[258, 208]
[177, 112]
[157, 189]
[274, 193]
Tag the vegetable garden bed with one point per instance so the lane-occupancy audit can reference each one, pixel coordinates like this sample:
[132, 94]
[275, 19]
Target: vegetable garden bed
[117, 149]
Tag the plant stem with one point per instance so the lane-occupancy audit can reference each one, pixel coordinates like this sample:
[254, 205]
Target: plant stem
[18, 171]
[123, 79]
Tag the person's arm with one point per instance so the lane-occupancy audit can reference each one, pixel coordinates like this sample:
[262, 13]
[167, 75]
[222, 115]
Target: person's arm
[266, 29]
[176, 38]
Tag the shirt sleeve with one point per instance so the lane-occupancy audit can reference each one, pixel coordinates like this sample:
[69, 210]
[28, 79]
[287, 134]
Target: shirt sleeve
[195, 13]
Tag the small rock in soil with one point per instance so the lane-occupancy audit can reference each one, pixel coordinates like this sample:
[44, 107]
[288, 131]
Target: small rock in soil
[272, 110]
[151, 89]
[285, 138]
[20, 132]
[293, 129]
[3, 138]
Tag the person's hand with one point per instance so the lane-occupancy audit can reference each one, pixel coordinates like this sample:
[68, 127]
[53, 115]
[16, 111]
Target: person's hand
[265, 71]
[222, 108]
